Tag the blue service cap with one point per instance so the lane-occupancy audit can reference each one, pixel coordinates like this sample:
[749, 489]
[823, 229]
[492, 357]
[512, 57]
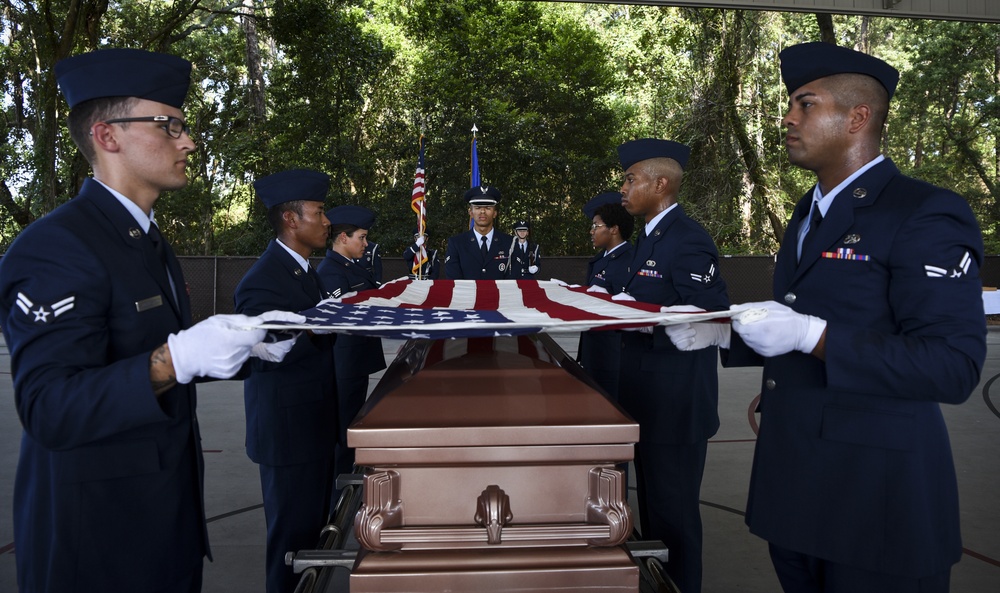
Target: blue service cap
[358, 216]
[292, 185]
[522, 225]
[642, 149]
[806, 62]
[124, 73]
[608, 197]
[484, 195]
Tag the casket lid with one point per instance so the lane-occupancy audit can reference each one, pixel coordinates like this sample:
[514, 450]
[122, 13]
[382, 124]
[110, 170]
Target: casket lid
[489, 399]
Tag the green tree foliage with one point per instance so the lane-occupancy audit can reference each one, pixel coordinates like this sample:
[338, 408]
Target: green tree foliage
[348, 86]
[534, 83]
[945, 128]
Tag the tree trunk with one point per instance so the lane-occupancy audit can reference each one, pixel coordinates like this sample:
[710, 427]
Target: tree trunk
[255, 72]
[826, 32]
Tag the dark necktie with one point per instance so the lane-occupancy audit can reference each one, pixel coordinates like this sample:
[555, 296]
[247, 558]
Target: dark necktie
[157, 239]
[485, 250]
[815, 218]
[314, 275]
[641, 237]
[173, 273]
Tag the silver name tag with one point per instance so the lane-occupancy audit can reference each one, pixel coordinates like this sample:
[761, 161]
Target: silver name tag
[150, 303]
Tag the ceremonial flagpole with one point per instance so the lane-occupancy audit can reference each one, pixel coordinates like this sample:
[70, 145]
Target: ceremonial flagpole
[417, 204]
[474, 176]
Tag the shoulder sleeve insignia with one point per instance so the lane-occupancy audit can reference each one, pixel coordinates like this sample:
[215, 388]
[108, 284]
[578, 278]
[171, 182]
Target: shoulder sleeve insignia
[956, 271]
[705, 278]
[41, 312]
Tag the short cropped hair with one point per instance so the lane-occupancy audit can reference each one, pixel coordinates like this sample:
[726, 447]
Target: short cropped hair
[276, 214]
[88, 113]
[664, 167]
[617, 215]
[849, 90]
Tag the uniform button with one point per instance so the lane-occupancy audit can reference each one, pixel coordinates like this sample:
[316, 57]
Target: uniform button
[790, 298]
[770, 384]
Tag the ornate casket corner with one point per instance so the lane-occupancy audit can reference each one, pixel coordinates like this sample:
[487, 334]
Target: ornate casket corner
[606, 505]
[382, 509]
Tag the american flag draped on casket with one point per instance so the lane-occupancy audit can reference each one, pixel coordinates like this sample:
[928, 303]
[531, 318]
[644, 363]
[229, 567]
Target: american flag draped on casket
[406, 309]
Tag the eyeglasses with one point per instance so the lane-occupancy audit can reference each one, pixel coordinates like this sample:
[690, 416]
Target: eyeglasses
[596, 226]
[171, 125]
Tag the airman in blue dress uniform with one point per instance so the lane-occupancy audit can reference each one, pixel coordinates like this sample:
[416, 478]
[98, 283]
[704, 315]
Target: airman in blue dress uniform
[611, 228]
[877, 320]
[483, 252]
[672, 394]
[355, 357]
[372, 259]
[94, 308]
[291, 406]
[525, 256]
[431, 269]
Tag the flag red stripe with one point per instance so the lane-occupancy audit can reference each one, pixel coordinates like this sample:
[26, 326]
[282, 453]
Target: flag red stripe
[534, 297]
[388, 291]
[487, 296]
[439, 295]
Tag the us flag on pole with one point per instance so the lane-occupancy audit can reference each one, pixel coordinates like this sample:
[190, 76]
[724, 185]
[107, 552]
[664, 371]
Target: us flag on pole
[406, 309]
[418, 206]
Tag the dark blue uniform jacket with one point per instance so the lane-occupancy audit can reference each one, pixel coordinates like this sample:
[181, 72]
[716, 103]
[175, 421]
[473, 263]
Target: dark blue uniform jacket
[291, 406]
[108, 494]
[464, 258]
[600, 351]
[853, 462]
[354, 355]
[674, 395]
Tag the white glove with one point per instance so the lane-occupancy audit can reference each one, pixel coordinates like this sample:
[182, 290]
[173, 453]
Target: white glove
[215, 347]
[780, 331]
[420, 241]
[698, 335]
[532, 269]
[275, 350]
[597, 289]
[336, 300]
[622, 296]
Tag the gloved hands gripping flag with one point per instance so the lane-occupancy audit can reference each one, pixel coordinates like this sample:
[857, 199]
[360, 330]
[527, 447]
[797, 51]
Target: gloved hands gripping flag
[405, 309]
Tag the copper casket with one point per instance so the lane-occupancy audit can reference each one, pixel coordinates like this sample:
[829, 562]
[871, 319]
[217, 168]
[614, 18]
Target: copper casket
[491, 465]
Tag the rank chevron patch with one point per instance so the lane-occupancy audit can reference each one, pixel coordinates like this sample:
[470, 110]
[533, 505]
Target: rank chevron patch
[42, 312]
[954, 272]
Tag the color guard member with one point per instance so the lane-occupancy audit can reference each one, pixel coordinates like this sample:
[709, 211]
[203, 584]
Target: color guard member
[483, 252]
[431, 269]
[525, 256]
